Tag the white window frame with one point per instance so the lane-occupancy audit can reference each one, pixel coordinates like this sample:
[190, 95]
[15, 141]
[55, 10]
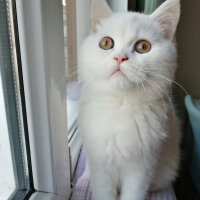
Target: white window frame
[40, 24]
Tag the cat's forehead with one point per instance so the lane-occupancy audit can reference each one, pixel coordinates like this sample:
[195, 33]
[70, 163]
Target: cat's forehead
[128, 25]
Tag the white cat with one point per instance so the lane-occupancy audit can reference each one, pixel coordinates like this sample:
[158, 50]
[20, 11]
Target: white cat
[126, 118]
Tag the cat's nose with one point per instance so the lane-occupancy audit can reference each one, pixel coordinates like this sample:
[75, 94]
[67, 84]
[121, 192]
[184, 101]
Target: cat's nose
[120, 59]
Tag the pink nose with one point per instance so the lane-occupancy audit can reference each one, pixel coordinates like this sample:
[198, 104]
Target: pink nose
[120, 59]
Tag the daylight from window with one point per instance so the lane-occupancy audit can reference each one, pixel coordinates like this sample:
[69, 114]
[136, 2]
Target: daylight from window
[7, 182]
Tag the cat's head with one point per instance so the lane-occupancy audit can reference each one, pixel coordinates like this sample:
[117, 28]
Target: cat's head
[129, 50]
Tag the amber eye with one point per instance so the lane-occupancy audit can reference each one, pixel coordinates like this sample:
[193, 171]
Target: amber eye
[106, 43]
[142, 46]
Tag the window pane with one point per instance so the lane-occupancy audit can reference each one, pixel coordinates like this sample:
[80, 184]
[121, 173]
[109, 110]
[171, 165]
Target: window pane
[70, 67]
[13, 138]
[7, 181]
[71, 80]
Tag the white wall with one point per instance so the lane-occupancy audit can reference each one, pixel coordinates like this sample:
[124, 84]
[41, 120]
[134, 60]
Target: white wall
[188, 40]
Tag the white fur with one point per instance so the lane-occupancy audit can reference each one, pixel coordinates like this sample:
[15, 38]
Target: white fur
[127, 123]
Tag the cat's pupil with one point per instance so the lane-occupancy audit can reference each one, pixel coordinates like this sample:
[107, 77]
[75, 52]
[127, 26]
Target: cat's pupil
[106, 43]
[143, 46]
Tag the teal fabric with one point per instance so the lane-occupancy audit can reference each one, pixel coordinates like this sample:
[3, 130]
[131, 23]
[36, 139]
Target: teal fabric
[148, 6]
[194, 115]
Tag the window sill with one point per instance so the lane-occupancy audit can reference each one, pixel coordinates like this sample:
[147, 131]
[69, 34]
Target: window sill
[82, 190]
[46, 196]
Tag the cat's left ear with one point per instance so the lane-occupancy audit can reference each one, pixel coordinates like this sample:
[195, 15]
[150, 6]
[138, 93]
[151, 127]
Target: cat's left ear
[167, 15]
[99, 10]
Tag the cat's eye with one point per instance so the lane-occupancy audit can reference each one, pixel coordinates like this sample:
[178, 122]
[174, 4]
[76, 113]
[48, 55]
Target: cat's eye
[106, 43]
[142, 46]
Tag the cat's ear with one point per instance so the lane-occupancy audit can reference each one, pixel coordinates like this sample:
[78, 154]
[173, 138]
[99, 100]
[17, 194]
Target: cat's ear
[167, 15]
[99, 10]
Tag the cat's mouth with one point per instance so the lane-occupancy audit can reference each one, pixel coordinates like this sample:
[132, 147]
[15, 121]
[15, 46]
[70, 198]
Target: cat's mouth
[118, 71]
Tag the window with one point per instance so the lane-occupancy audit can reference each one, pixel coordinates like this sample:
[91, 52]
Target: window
[34, 143]
[72, 84]
[15, 167]
[70, 66]
[42, 51]
[39, 91]
[7, 181]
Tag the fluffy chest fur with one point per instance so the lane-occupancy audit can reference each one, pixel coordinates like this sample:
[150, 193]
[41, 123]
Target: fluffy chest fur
[123, 128]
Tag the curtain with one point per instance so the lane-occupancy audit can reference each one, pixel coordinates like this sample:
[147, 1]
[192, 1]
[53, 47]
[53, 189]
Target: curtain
[140, 5]
[148, 6]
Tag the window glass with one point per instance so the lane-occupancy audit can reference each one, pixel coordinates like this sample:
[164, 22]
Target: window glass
[14, 165]
[7, 181]
[72, 85]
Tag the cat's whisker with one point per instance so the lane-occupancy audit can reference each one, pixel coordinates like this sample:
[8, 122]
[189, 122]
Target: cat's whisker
[170, 100]
[73, 73]
[137, 89]
[62, 80]
[68, 76]
[165, 78]
[156, 85]
[146, 92]
[165, 110]
[156, 69]
[165, 73]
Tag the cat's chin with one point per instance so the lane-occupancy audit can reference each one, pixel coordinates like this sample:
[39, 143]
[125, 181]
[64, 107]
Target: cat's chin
[121, 83]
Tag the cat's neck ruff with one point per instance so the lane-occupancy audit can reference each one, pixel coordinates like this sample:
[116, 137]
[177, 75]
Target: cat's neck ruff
[134, 96]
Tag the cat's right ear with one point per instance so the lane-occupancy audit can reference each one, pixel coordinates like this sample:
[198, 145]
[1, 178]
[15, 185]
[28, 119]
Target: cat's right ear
[99, 10]
[167, 15]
